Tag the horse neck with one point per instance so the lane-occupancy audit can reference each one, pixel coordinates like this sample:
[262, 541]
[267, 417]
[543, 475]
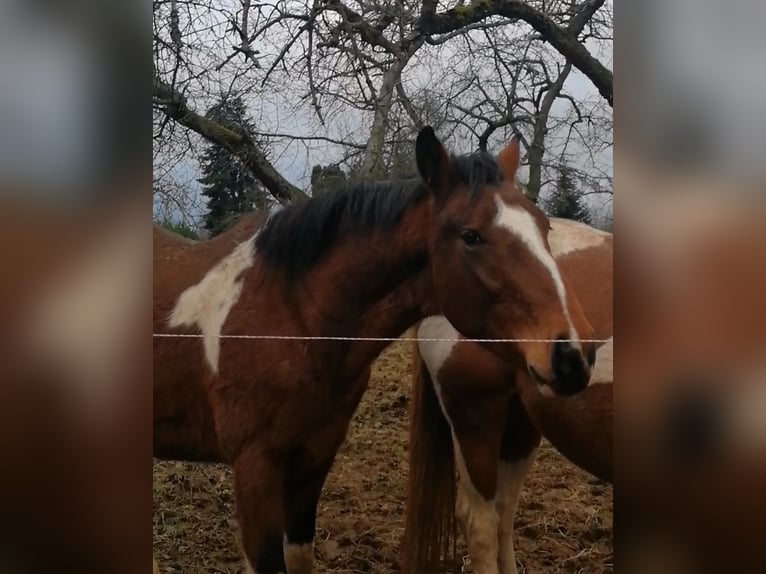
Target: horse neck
[373, 288]
[243, 228]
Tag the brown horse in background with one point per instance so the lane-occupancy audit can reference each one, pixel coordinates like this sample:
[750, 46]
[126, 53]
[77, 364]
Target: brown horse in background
[690, 408]
[363, 262]
[468, 414]
[74, 425]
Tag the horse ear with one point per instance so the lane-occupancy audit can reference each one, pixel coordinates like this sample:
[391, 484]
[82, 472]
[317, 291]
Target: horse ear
[508, 159]
[433, 160]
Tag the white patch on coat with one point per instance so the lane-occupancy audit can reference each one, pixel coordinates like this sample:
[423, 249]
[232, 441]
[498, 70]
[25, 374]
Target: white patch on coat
[478, 520]
[207, 304]
[510, 479]
[748, 416]
[83, 320]
[476, 515]
[299, 558]
[435, 353]
[567, 236]
[546, 391]
[520, 223]
[603, 370]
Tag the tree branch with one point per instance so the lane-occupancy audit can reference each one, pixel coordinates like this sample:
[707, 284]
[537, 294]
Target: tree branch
[369, 34]
[311, 138]
[408, 107]
[174, 105]
[583, 16]
[563, 40]
[537, 147]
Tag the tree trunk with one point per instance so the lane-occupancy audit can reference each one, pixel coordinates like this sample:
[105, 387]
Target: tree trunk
[536, 151]
[372, 163]
[174, 105]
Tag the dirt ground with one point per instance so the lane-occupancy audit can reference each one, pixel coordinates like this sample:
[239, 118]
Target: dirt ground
[564, 523]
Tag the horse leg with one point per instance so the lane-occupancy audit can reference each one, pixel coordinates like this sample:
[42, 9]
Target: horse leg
[477, 424]
[258, 488]
[301, 499]
[518, 451]
[477, 518]
[301, 505]
[309, 468]
[510, 478]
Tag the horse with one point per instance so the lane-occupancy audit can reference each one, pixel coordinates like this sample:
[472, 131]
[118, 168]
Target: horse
[690, 407]
[319, 288]
[473, 411]
[74, 425]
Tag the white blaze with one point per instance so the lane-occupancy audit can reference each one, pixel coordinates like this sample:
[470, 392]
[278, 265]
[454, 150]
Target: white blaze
[207, 304]
[521, 224]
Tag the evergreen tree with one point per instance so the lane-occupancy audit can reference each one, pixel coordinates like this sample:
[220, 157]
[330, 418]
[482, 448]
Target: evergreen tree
[326, 178]
[228, 185]
[566, 200]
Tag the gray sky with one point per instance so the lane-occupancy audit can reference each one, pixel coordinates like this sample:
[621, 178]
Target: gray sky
[281, 113]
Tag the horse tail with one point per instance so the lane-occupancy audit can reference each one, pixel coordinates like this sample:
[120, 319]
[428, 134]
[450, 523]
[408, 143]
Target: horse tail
[430, 513]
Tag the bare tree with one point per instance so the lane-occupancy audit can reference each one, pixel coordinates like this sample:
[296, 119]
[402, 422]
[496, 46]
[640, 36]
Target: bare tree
[511, 82]
[353, 79]
[562, 39]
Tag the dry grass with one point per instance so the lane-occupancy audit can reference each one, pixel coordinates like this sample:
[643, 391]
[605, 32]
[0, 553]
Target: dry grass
[564, 524]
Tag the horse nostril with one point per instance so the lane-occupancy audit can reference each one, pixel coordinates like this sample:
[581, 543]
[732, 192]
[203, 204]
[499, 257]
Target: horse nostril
[563, 355]
[570, 373]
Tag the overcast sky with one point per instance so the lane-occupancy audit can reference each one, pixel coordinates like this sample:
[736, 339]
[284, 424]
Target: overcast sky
[296, 159]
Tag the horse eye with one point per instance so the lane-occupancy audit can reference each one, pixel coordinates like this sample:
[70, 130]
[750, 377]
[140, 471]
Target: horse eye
[471, 238]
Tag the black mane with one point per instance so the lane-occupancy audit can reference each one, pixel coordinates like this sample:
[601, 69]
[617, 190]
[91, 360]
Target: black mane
[297, 237]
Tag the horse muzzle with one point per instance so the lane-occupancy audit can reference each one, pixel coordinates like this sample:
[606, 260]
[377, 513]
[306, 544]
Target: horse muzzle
[571, 368]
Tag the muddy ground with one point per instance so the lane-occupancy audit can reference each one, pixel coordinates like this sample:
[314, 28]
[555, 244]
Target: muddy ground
[564, 523]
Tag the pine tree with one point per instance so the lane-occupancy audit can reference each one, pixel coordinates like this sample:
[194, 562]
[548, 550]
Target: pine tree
[327, 178]
[228, 185]
[566, 200]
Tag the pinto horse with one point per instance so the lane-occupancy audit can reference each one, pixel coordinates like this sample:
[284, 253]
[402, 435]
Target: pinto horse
[467, 413]
[690, 409]
[361, 264]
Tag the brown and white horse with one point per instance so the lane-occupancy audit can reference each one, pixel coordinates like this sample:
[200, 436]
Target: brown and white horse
[468, 413]
[74, 425]
[690, 408]
[364, 262]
